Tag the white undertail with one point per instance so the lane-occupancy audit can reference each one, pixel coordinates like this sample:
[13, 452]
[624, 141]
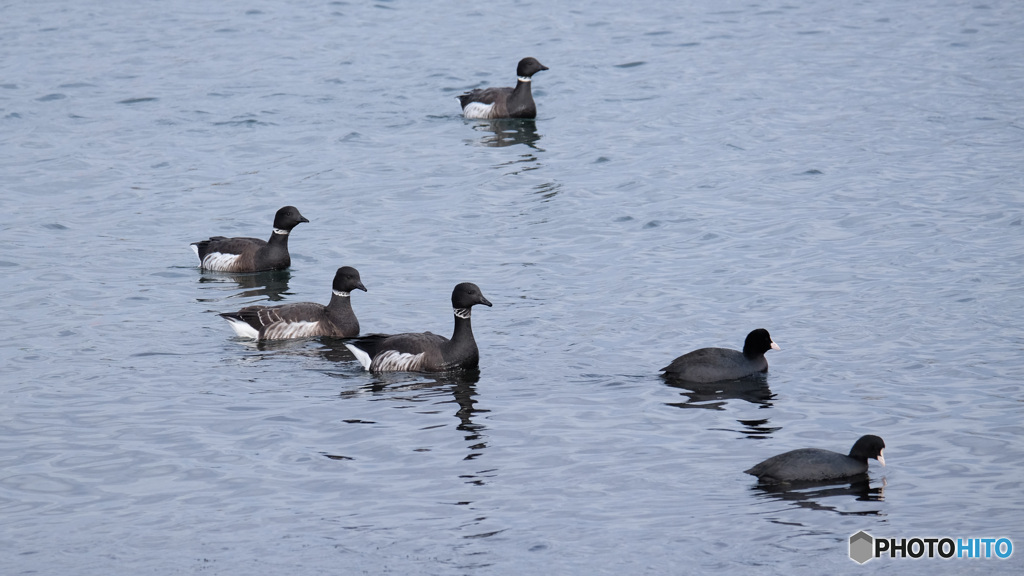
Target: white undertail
[363, 357]
[243, 329]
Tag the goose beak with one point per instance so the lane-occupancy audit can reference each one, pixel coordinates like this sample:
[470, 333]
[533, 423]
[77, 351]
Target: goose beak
[361, 287]
[484, 301]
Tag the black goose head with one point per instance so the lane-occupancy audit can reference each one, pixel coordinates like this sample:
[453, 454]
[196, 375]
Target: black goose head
[757, 343]
[528, 67]
[288, 218]
[346, 279]
[466, 295]
[868, 446]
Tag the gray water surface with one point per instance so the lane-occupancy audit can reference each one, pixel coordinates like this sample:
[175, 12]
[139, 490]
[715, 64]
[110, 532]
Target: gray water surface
[849, 176]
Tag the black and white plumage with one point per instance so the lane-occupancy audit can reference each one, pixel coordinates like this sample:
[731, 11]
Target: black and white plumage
[303, 319]
[490, 103]
[425, 351]
[715, 364]
[241, 254]
[815, 464]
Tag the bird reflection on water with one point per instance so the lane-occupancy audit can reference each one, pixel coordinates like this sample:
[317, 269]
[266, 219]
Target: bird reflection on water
[417, 387]
[425, 390]
[272, 284]
[716, 396]
[809, 495]
[507, 132]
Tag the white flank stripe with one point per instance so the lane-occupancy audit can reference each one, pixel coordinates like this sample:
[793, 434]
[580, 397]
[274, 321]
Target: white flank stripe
[219, 261]
[477, 110]
[286, 330]
[243, 329]
[394, 361]
[363, 357]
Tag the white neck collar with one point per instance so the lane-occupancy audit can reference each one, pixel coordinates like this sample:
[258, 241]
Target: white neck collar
[462, 312]
[340, 293]
[279, 231]
[524, 79]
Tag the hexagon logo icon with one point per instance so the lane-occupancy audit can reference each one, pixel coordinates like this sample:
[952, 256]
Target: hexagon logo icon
[861, 547]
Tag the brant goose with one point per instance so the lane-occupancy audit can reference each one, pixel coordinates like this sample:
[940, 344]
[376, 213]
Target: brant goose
[714, 364]
[426, 352]
[489, 103]
[303, 319]
[250, 254]
[815, 464]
